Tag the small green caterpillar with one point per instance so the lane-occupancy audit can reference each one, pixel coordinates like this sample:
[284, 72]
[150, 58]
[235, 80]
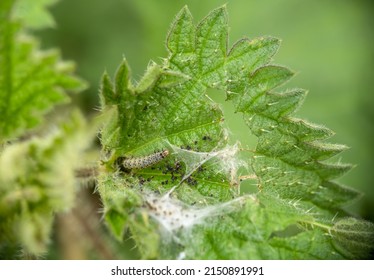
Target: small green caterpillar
[145, 161]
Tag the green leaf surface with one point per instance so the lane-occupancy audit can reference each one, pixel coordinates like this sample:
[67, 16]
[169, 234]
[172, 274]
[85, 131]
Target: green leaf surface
[188, 204]
[31, 81]
[354, 238]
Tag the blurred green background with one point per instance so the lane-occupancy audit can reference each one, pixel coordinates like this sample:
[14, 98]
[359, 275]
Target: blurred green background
[329, 43]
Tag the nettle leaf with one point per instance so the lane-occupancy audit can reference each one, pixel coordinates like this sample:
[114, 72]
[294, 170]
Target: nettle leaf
[171, 179]
[31, 81]
[354, 238]
[37, 179]
[37, 173]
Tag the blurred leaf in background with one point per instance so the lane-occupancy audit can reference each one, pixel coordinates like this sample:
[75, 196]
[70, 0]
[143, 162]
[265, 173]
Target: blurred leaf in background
[330, 44]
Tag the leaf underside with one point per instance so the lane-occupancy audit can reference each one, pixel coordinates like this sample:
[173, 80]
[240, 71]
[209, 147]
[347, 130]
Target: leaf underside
[295, 214]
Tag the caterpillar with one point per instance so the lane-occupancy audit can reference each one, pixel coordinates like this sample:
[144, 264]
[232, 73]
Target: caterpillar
[145, 161]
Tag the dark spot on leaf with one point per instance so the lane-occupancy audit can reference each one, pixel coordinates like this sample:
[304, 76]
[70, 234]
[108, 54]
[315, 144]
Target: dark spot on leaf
[190, 181]
[200, 169]
[177, 166]
[206, 137]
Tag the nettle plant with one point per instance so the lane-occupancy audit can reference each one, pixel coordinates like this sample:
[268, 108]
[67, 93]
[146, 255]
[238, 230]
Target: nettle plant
[168, 175]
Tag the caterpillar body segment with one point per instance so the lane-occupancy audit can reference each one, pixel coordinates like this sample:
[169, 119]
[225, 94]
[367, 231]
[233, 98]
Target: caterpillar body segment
[145, 161]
